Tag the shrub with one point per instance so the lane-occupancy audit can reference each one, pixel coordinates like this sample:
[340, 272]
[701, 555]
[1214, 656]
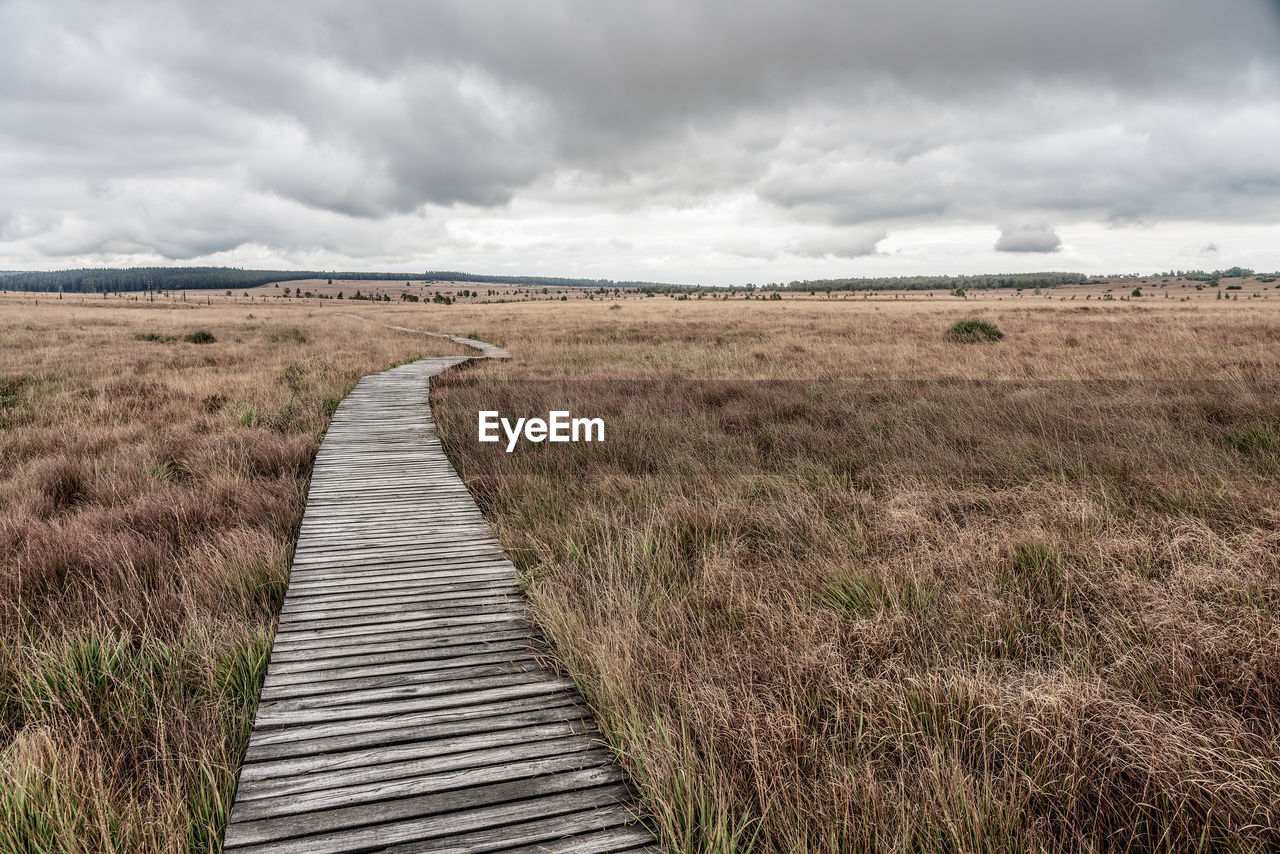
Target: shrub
[1137, 292]
[152, 336]
[973, 329]
[199, 336]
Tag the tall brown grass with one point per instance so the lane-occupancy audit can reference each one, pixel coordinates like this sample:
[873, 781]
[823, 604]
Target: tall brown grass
[151, 483]
[836, 583]
[833, 582]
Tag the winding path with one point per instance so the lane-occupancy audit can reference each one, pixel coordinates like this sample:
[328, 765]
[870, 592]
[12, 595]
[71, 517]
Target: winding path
[404, 708]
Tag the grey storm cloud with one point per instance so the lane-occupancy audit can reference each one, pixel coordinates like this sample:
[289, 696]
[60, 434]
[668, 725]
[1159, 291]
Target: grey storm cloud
[1028, 237]
[188, 128]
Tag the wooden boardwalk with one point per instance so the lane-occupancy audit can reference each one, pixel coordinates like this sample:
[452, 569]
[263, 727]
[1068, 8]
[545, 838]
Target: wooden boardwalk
[404, 708]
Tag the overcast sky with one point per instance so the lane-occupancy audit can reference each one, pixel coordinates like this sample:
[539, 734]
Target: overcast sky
[719, 142]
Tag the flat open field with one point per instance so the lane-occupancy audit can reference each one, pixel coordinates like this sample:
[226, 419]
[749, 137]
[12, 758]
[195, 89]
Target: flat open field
[150, 492]
[832, 582]
[1152, 287]
[835, 583]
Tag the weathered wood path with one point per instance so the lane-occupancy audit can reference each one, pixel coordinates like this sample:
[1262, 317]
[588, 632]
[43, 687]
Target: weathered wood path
[404, 708]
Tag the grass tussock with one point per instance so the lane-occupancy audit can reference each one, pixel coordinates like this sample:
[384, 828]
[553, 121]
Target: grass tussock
[973, 330]
[920, 599]
[145, 533]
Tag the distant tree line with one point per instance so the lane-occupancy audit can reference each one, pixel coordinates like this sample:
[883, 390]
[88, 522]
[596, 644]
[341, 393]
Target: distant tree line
[1202, 276]
[114, 280]
[930, 283]
[150, 278]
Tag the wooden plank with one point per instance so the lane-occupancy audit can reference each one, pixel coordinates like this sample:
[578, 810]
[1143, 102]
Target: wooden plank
[398, 566]
[415, 758]
[412, 591]
[414, 698]
[450, 820]
[308, 738]
[261, 821]
[400, 571]
[335, 682]
[367, 675]
[426, 649]
[392, 731]
[435, 618]
[413, 586]
[615, 839]
[405, 706]
[609, 828]
[358, 615]
[481, 737]
[396, 641]
[459, 655]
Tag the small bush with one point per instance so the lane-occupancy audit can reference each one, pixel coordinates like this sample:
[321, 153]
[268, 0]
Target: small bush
[1137, 292]
[973, 329]
[199, 336]
[152, 336]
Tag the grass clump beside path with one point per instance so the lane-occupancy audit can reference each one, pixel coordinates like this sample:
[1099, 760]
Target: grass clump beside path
[973, 329]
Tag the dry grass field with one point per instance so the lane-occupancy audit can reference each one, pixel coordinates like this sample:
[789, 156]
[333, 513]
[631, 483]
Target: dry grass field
[836, 583]
[833, 582]
[150, 491]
